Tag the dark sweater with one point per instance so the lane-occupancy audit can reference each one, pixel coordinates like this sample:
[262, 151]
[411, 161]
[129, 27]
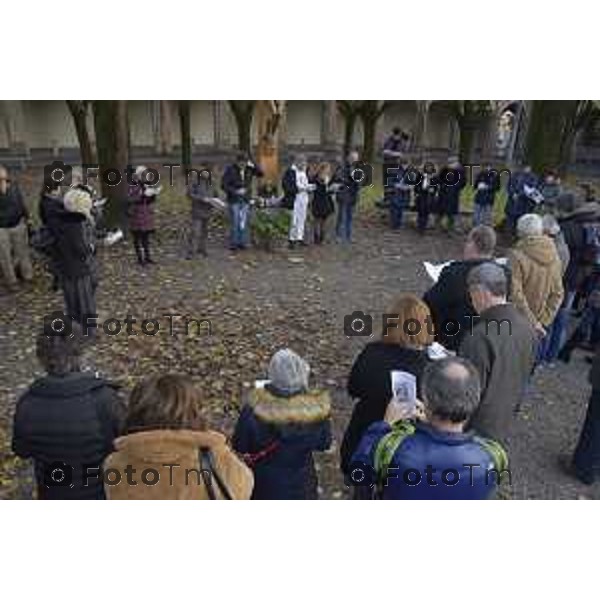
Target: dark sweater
[72, 420]
[12, 208]
[504, 356]
[370, 382]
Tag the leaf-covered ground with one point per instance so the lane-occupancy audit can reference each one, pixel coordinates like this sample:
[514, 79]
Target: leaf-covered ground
[256, 303]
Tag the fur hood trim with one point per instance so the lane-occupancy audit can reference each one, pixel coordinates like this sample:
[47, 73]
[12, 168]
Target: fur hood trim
[308, 407]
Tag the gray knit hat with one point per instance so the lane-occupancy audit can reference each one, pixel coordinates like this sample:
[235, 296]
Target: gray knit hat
[288, 373]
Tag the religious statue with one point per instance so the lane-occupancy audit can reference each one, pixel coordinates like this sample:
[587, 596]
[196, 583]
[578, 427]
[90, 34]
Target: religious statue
[268, 117]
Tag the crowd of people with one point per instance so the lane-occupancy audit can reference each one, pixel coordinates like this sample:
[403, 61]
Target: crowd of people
[485, 326]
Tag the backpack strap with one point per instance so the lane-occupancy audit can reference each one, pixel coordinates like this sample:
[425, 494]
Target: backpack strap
[388, 444]
[209, 472]
[495, 450]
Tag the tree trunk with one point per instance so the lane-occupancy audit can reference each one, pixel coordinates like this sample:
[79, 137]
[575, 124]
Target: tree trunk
[369, 127]
[467, 129]
[349, 127]
[79, 112]
[112, 144]
[243, 111]
[186, 136]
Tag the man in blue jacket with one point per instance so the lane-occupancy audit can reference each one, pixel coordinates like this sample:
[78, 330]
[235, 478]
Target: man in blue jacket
[432, 459]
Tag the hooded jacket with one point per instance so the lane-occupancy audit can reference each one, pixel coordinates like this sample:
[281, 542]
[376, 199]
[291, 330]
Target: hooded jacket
[174, 455]
[70, 419]
[277, 437]
[12, 208]
[537, 289]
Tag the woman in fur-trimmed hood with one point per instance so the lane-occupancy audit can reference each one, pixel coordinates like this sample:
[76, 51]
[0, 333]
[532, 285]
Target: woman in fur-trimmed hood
[279, 429]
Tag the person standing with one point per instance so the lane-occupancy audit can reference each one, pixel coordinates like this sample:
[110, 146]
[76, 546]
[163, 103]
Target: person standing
[66, 421]
[502, 345]
[370, 382]
[199, 193]
[279, 429]
[521, 186]
[393, 149]
[74, 233]
[487, 185]
[322, 204]
[449, 299]
[300, 206]
[559, 325]
[142, 197]
[400, 194]
[585, 463]
[347, 196]
[14, 248]
[406, 457]
[452, 180]
[426, 190]
[237, 185]
[537, 289]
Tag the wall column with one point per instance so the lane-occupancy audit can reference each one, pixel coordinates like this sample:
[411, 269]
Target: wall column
[329, 125]
[14, 122]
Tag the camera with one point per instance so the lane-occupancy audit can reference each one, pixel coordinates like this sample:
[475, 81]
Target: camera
[57, 173]
[58, 324]
[361, 173]
[360, 474]
[358, 324]
[58, 474]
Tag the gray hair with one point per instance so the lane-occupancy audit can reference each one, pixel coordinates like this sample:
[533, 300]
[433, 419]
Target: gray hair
[451, 389]
[491, 277]
[530, 225]
[550, 225]
[288, 373]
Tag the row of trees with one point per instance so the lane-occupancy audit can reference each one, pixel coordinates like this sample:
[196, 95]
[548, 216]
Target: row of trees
[552, 131]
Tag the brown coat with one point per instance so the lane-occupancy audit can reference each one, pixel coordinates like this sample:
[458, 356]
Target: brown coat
[157, 449]
[537, 289]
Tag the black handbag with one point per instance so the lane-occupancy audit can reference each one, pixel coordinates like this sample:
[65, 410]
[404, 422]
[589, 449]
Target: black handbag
[210, 474]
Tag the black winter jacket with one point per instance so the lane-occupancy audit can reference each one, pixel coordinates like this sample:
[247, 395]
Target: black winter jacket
[70, 419]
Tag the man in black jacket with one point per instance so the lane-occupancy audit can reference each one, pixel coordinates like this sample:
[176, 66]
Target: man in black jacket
[452, 179]
[502, 345]
[449, 299]
[237, 185]
[66, 422]
[14, 249]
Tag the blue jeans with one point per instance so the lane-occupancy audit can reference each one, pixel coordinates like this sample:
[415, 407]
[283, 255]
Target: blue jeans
[343, 227]
[239, 215]
[482, 214]
[397, 205]
[556, 335]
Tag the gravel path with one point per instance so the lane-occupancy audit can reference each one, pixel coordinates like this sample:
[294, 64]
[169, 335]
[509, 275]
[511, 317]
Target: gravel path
[258, 302]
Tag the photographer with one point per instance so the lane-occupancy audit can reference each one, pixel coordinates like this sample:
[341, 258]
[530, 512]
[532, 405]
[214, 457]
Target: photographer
[433, 458]
[66, 420]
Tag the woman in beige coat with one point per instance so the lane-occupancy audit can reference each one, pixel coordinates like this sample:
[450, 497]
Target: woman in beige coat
[168, 452]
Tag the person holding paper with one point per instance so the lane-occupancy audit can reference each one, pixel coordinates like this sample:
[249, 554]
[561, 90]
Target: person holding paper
[449, 299]
[400, 348]
[431, 455]
[300, 206]
[237, 184]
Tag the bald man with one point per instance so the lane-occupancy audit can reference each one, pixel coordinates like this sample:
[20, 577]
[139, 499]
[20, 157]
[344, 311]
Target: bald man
[14, 248]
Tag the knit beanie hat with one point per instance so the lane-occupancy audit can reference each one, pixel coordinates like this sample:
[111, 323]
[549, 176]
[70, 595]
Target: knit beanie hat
[288, 373]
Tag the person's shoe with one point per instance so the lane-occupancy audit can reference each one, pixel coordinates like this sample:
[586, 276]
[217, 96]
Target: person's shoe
[149, 261]
[564, 355]
[291, 244]
[303, 243]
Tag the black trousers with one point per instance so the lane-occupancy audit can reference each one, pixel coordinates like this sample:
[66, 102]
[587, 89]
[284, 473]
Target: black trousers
[587, 454]
[141, 243]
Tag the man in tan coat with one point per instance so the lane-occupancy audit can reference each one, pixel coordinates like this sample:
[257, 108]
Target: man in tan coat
[537, 289]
